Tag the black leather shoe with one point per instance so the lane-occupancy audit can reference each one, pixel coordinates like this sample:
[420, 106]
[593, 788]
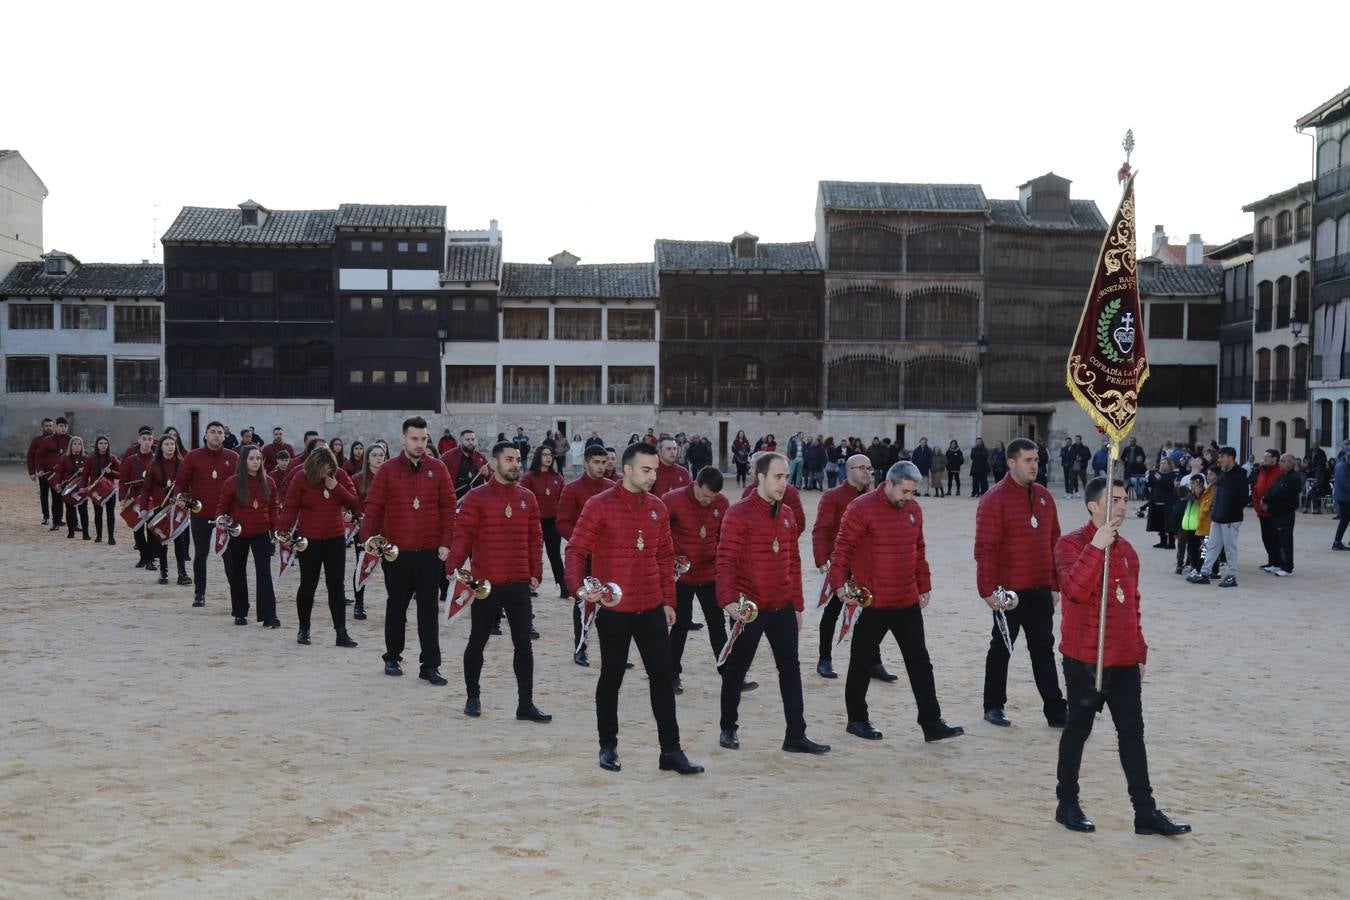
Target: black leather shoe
[472, 708]
[532, 713]
[580, 658]
[995, 716]
[360, 612]
[677, 684]
[198, 600]
[562, 593]
[864, 730]
[433, 676]
[1070, 815]
[728, 739]
[747, 686]
[185, 579]
[344, 640]
[151, 566]
[940, 731]
[112, 541]
[609, 758]
[273, 623]
[804, 744]
[240, 620]
[497, 629]
[163, 579]
[878, 671]
[696, 626]
[393, 668]
[140, 564]
[676, 761]
[825, 669]
[1157, 822]
[302, 637]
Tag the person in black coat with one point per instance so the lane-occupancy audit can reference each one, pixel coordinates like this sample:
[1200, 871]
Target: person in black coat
[1043, 461]
[955, 460]
[1281, 504]
[998, 461]
[979, 468]
[1161, 489]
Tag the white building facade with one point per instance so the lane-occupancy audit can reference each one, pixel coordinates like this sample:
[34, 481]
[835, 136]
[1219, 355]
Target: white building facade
[21, 195]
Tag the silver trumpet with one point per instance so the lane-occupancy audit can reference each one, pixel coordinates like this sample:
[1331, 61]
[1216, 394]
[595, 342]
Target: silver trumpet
[593, 590]
[1007, 600]
[682, 565]
[231, 527]
[745, 610]
[379, 545]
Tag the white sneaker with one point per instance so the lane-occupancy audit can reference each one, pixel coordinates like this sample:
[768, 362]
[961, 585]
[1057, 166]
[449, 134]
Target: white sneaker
[1282, 573]
[1270, 570]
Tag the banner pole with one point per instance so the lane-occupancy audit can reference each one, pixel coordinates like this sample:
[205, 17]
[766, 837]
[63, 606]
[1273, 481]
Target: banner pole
[1112, 454]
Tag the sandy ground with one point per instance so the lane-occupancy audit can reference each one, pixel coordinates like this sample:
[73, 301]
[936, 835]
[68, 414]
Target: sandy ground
[151, 749]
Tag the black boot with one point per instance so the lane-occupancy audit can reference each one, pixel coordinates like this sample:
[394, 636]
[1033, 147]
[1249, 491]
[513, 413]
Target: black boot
[1156, 822]
[1070, 815]
[676, 761]
[360, 611]
[343, 640]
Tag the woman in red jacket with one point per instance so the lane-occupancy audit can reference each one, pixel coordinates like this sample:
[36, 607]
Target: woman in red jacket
[370, 464]
[158, 484]
[315, 498]
[547, 486]
[249, 497]
[353, 464]
[70, 465]
[102, 464]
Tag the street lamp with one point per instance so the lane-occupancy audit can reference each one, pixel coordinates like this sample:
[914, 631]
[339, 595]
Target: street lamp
[1296, 330]
[442, 335]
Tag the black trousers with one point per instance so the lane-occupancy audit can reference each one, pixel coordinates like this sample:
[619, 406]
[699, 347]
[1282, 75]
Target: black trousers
[1343, 511]
[415, 574]
[828, 619]
[110, 510]
[52, 498]
[979, 484]
[42, 499]
[160, 550]
[684, 617]
[553, 547]
[906, 625]
[142, 545]
[1035, 614]
[953, 478]
[235, 559]
[514, 600]
[202, 531]
[617, 631]
[780, 627]
[1121, 686]
[74, 513]
[1282, 535]
[1268, 540]
[330, 555]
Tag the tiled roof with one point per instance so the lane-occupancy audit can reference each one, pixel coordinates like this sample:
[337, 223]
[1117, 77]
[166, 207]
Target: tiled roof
[361, 215]
[881, 196]
[88, 280]
[1302, 191]
[201, 224]
[473, 262]
[1170, 280]
[718, 255]
[1083, 216]
[1176, 253]
[616, 281]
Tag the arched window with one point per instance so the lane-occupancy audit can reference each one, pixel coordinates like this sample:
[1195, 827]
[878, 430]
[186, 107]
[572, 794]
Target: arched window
[942, 315]
[1265, 303]
[1303, 222]
[1328, 158]
[865, 315]
[740, 382]
[1300, 429]
[1280, 388]
[1281, 437]
[865, 248]
[938, 383]
[742, 313]
[1022, 377]
[686, 382]
[1324, 244]
[1343, 420]
[1015, 319]
[947, 248]
[1264, 237]
[1284, 228]
[1323, 423]
[1263, 427]
[1284, 292]
[794, 383]
[687, 314]
[864, 383]
[794, 316]
[1263, 376]
[1302, 292]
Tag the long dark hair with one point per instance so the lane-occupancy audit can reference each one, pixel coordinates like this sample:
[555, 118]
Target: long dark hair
[367, 476]
[241, 490]
[537, 461]
[159, 457]
[339, 455]
[103, 458]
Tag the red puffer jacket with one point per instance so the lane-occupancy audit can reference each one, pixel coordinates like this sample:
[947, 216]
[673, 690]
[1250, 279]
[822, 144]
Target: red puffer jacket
[454, 458]
[203, 472]
[757, 556]
[881, 547]
[258, 515]
[829, 513]
[51, 449]
[416, 511]
[32, 458]
[695, 529]
[317, 509]
[625, 537]
[270, 451]
[574, 498]
[547, 488]
[67, 467]
[93, 468]
[792, 500]
[1080, 578]
[670, 478]
[497, 527]
[160, 477]
[131, 474]
[1009, 549]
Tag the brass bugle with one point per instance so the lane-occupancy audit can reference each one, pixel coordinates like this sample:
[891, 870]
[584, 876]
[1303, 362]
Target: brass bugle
[682, 565]
[746, 610]
[481, 588]
[857, 593]
[299, 543]
[593, 590]
[194, 506]
[379, 544]
[1006, 598]
[233, 528]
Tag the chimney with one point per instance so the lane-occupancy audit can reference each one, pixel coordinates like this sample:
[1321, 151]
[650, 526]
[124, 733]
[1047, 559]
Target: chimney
[1159, 239]
[494, 236]
[1195, 251]
[744, 246]
[564, 260]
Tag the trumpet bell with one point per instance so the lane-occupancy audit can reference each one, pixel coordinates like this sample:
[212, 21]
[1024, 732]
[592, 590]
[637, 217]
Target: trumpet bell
[301, 544]
[390, 552]
[612, 596]
[749, 610]
[482, 589]
[682, 565]
[1008, 598]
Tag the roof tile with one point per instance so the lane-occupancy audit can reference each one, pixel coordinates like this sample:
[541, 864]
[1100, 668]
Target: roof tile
[613, 281]
[798, 257]
[87, 280]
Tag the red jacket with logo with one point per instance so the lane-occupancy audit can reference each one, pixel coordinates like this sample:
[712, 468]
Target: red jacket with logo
[389, 509]
[454, 458]
[1009, 549]
[505, 548]
[33, 449]
[1266, 476]
[52, 447]
[574, 498]
[880, 546]
[259, 514]
[695, 528]
[670, 478]
[547, 488]
[1080, 580]
[829, 513]
[269, 453]
[204, 471]
[757, 556]
[792, 500]
[93, 469]
[67, 466]
[319, 517]
[625, 537]
[161, 477]
[131, 474]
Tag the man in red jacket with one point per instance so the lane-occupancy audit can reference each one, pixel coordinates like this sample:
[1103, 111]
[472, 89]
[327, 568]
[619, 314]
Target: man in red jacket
[51, 449]
[271, 450]
[1016, 527]
[758, 559]
[574, 498]
[670, 475]
[468, 467]
[829, 513]
[498, 528]
[880, 547]
[412, 503]
[1079, 560]
[792, 500]
[204, 471]
[131, 477]
[623, 538]
[1267, 473]
[32, 459]
[696, 513]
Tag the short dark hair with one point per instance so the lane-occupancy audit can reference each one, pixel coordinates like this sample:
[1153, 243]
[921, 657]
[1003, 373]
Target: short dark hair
[501, 447]
[214, 424]
[276, 428]
[595, 450]
[1097, 486]
[145, 429]
[61, 420]
[466, 431]
[1272, 452]
[710, 478]
[311, 433]
[765, 460]
[1228, 451]
[283, 454]
[641, 447]
[413, 422]
[1018, 446]
[46, 420]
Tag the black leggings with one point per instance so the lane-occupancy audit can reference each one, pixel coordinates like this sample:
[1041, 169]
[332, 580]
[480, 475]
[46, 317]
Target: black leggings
[160, 550]
[83, 513]
[99, 510]
[953, 478]
[553, 546]
[330, 555]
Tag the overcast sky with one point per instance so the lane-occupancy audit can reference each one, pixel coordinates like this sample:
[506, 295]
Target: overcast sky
[600, 128]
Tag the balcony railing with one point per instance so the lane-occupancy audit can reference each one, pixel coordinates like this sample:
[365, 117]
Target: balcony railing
[525, 393]
[1262, 391]
[1331, 268]
[1333, 182]
[28, 384]
[1298, 390]
[1235, 388]
[921, 329]
[139, 333]
[248, 384]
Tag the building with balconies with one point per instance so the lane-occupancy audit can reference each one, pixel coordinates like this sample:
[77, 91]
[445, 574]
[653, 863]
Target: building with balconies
[1234, 411]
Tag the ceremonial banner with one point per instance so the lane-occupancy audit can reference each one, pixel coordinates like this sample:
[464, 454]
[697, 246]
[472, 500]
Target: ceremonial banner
[220, 539]
[1107, 365]
[366, 564]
